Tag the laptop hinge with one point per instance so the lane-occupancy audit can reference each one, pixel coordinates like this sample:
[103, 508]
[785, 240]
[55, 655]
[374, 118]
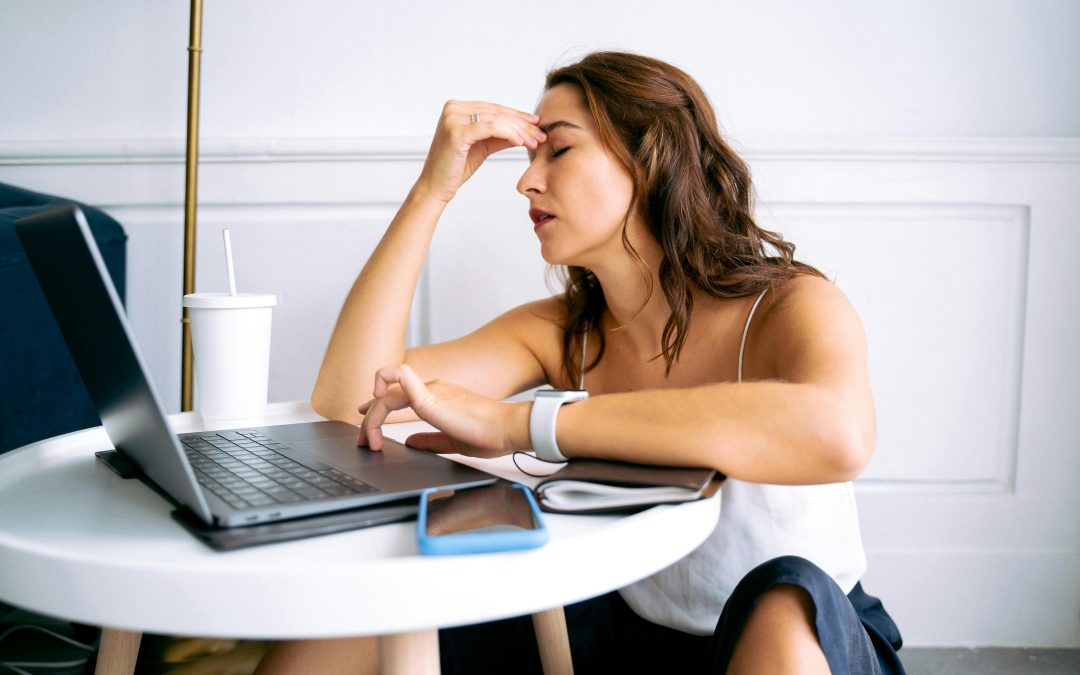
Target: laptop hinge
[119, 463]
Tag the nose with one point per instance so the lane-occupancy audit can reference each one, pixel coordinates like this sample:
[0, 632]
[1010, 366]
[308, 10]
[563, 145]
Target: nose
[532, 181]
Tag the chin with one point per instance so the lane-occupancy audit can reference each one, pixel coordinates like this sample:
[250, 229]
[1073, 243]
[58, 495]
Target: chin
[554, 258]
[549, 255]
[554, 254]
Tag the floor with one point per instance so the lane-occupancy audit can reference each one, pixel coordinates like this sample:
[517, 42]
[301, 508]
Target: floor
[987, 661]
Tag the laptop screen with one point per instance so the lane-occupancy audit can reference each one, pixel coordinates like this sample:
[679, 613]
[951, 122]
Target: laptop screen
[87, 309]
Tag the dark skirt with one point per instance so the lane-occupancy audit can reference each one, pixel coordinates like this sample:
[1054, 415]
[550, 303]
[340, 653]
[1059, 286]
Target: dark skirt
[855, 632]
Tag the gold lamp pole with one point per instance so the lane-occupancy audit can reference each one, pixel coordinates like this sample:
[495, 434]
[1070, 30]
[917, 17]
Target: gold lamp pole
[190, 190]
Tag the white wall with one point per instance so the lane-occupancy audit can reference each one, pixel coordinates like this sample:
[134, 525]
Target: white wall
[115, 69]
[937, 136]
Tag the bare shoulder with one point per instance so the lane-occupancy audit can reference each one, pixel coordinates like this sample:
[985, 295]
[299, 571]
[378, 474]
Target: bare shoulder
[538, 326]
[550, 310]
[804, 287]
[537, 319]
[803, 299]
[808, 321]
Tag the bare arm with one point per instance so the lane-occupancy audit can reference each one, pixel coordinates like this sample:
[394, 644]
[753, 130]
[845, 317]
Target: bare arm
[768, 432]
[370, 331]
[813, 423]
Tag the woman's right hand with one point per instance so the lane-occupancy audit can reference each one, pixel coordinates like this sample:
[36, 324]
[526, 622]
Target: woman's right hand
[468, 132]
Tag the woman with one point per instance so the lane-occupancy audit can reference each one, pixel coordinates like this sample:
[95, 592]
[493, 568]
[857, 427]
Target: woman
[700, 341]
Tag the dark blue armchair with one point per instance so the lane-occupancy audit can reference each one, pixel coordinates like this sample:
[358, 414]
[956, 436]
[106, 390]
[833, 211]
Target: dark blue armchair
[41, 394]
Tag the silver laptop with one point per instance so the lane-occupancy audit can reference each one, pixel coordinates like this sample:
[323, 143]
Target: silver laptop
[227, 478]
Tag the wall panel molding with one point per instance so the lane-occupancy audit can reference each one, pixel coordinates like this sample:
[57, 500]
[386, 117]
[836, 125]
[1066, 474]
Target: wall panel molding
[414, 148]
[945, 313]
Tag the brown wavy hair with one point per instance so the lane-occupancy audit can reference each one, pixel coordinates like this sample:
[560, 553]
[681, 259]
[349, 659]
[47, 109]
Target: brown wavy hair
[691, 189]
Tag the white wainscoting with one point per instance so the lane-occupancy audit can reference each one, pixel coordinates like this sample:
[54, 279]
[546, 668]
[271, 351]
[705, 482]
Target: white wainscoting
[942, 290]
[959, 255]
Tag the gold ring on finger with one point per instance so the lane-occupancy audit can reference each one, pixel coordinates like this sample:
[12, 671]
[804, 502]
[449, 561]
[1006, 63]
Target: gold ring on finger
[474, 118]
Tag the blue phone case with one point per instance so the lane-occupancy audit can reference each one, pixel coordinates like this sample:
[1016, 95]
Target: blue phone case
[461, 543]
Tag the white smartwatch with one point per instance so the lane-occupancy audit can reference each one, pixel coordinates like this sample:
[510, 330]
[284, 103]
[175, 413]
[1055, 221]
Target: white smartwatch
[545, 409]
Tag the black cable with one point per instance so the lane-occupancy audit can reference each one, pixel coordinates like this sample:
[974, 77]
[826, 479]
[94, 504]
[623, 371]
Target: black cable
[513, 458]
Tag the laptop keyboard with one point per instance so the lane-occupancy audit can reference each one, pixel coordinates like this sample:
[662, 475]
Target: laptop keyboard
[245, 468]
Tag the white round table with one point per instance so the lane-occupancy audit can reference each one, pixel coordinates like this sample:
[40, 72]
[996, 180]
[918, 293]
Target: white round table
[78, 542]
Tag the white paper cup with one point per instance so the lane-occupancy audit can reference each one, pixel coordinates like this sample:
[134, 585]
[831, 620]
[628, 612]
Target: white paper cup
[230, 337]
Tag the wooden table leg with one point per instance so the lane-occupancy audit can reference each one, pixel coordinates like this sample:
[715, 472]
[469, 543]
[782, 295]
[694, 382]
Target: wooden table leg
[410, 653]
[118, 652]
[553, 641]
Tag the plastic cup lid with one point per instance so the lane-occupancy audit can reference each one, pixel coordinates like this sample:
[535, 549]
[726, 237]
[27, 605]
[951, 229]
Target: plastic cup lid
[226, 301]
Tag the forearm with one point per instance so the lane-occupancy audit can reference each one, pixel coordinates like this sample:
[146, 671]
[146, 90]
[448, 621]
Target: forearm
[769, 432]
[370, 331]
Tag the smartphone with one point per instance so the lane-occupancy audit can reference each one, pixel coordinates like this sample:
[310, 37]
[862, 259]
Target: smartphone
[502, 516]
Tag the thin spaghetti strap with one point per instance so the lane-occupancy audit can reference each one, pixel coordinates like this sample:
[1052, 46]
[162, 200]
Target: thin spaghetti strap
[746, 329]
[584, 349]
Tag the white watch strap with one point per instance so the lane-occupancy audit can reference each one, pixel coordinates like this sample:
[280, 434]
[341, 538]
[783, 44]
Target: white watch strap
[545, 409]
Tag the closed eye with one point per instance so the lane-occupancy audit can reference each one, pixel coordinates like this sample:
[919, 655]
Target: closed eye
[532, 155]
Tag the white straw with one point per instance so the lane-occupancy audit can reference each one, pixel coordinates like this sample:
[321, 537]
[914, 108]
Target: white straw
[228, 261]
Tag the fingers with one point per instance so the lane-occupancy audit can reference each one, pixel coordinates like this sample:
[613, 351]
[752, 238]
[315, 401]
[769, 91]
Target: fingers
[514, 132]
[410, 390]
[375, 411]
[484, 107]
[414, 390]
[477, 121]
[469, 423]
[371, 428]
[468, 133]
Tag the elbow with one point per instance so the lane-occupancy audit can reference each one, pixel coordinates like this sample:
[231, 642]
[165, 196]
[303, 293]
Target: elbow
[319, 405]
[326, 407]
[850, 450]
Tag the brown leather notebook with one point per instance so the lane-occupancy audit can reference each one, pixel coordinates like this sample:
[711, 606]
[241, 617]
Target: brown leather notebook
[599, 486]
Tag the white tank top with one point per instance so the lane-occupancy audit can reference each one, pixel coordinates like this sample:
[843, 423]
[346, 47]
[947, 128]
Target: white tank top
[758, 522]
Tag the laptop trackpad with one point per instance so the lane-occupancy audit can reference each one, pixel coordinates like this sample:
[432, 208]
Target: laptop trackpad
[394, 468]
[343, 454]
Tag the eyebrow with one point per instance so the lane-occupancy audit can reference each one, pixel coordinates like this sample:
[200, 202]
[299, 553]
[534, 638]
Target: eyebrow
[551, 126]
[558, 124]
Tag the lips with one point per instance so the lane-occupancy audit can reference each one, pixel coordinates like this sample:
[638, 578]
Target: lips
[539, 216]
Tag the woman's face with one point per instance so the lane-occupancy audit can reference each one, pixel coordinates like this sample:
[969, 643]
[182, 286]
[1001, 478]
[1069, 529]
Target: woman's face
[578, 193]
